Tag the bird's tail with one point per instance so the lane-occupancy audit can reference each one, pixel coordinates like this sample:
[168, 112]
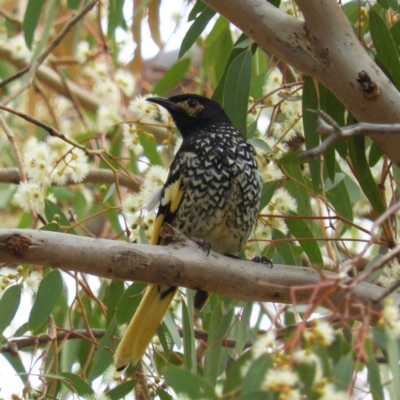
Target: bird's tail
[143, 325]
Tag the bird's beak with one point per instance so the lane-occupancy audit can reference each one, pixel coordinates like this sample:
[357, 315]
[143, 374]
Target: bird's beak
[169, 105]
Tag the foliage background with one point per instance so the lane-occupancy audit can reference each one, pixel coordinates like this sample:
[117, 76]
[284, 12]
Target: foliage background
[78, 91]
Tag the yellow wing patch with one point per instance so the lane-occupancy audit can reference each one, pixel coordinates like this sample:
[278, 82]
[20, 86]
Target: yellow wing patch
[169, 204]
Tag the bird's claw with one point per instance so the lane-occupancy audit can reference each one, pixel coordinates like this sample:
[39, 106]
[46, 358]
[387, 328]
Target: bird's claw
[262, 260]
[203, 244]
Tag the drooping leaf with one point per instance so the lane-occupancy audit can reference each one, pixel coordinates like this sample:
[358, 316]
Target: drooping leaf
[385, 46]
[172, 77]
[196, 29]
[310, 102]
[129, 302]
[48, 294]
[81, 387]
[189, 384]
[9, 304]
[237, 89]
[31, 19]
[300, 230]
[123, 389]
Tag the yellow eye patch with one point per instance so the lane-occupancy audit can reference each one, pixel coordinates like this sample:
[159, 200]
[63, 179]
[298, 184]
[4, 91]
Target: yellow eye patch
[190, 110]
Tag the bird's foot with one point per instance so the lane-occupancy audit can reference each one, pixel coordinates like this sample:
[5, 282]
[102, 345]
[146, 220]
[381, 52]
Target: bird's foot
[203, 244]
[262, 260]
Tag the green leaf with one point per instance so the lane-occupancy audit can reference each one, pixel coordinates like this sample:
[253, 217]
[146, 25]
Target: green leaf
[123, 389]
[237, 89]
[217, 51]
[9, 304]
[196, 30]
[115, 17]
[234, 379]
[338, 195]
[172, 77]
[256, 373]
[217, 330]
[240, 328]
[363, 174]
[261, 144]
[52, 209]
[290, 159]
[80, 386]
[267, 192]
[185, 382]
[31, 19]
[374, 376]
[113, 294]
[385, 46]
[393, 361]
[172, 329]
[161, 333]
[336, 110]
[375, 155]
[343, 372]
[395, 32]
[103, 356]
[189, 346]
[384, 4]
[242, 43]
[283, 248]
[73, 4]
[296, 185]
[129, 302]
[48, 294]
[110, 192]
[257, 395]
[310, 102]
[49, 14]
[198, 7]
[300, 230]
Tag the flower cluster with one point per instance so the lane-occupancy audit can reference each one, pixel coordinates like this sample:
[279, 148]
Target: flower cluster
[9, 277]
[391, 317]
[285, 373]
[138, 208]
[46, 163]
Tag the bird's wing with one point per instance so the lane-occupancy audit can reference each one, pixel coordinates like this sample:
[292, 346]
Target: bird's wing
[170, 201]
[157, 298]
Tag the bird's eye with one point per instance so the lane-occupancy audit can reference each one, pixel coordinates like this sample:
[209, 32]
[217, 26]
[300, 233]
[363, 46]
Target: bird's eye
[192, 103]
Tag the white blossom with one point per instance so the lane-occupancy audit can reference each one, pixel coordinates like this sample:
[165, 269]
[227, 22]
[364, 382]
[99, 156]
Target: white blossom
[32, 282]
[126, 82]
[83, 51]
[30, 192]
[279, 379]
[18, 48]
[143, 110]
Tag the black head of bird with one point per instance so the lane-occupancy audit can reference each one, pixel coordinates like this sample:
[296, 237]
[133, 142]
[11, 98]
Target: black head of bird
[192, 111]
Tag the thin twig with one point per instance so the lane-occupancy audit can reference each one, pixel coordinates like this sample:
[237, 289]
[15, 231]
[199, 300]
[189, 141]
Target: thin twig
[326, 125]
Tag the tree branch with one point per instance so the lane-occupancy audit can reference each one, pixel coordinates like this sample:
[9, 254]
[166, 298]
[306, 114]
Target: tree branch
[326, 48]
[11, 175]
[327, 126]
[181, 263]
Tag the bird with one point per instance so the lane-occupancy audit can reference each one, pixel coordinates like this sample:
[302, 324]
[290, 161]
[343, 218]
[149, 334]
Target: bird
[212, 193]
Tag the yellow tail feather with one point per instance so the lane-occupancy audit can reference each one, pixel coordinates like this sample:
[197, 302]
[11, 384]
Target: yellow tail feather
[143, 325]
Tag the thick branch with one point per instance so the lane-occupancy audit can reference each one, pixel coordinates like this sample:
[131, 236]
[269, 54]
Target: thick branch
[11, 175]
[182, 263]
[326, 48]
